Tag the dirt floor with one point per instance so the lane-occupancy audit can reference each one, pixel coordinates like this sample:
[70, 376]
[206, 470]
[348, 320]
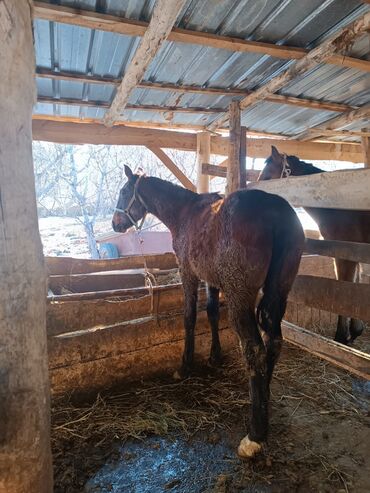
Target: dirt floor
[181, 437]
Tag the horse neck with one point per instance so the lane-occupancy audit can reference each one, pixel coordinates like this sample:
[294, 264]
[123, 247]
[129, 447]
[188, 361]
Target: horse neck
[165, 201]
[300, 168]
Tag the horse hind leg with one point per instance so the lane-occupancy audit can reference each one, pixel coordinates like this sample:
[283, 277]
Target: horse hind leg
[244, 322]
[213, 313]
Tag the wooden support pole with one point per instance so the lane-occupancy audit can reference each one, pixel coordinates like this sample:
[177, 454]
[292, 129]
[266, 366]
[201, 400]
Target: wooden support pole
[233, 170]
[203, 156]
[365, 141]
[243, 157]
[25, 457]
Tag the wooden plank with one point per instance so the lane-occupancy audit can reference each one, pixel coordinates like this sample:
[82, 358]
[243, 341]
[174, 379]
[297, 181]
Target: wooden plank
[67, 132]
[340, 297]
[348, 189]
[163, 17]
[347, 250]
[167, 161]
[106, 22]
[203, 156]
[101, 281]
[113, 293]
[70, 265]
[320, 54]
[233, 173]
[184, 89]
[73, 316]
[127, 352]
[352, 360]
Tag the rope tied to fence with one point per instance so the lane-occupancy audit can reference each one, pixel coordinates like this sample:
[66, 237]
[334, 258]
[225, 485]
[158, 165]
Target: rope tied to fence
[149, 279]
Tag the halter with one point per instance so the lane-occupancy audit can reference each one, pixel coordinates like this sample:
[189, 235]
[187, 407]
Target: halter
[126, 211]
[286, 169]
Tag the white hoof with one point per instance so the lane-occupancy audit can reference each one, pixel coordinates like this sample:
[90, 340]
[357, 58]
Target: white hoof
[176, 375]
[247, 448]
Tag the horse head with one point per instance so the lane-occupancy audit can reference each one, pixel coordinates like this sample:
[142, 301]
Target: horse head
[130, 207]
[276, 166]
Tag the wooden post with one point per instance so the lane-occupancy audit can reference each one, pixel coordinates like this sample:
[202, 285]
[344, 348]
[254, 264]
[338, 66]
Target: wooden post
[243, 157]
[25, 457]
[233, 170]
[203, 156]
[365, 141]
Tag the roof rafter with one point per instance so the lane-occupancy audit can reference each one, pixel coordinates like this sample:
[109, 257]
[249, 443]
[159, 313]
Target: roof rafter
[139, 107]
[318, 55]
[216, 91]
[335, 123]
[164, 16]
[115, 24]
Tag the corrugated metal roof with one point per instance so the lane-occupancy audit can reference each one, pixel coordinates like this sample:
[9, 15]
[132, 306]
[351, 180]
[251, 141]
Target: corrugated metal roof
[288, 22]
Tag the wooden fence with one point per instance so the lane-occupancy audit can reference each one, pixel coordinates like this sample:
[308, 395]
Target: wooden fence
[97, 338]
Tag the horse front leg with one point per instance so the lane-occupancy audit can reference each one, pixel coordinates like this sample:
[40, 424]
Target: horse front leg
[347, 329]
[190, 286]
[213, 313]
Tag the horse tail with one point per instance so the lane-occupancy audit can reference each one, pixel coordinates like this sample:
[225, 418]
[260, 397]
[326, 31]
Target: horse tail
[287, 248]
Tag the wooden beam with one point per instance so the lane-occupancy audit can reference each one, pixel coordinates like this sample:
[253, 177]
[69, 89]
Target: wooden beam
[233, 175]
[184, 89]
[25, 455]
[347, 250]
[138, 107]
[123, 123]
[164, 16]
[344, 298]
[365, 142]
[203, 156]
[128, 27]
[351, 360]
[183, 179]
[340, 133]
[261, 148]
[69, 265]
[83, 133]
[348, 189]
[95, 133]
[334, 123]
[318, 55]
[221, 171]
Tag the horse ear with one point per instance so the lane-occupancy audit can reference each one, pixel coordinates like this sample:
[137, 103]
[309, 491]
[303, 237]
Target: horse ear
[128, 172]
[275, 153]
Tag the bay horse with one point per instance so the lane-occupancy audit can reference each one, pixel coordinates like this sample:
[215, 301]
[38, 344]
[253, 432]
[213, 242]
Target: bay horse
[334, 224]
[239, 244]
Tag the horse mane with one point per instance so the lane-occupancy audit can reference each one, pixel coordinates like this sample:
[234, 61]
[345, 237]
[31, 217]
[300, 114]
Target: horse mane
[301, 166]
[177, 192]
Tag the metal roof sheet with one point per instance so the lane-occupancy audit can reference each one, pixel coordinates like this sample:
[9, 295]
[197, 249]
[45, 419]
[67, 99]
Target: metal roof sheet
[304, 24]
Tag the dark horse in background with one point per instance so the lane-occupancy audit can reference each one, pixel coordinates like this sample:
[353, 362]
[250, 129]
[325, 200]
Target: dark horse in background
[334, 224]
[239, 244]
